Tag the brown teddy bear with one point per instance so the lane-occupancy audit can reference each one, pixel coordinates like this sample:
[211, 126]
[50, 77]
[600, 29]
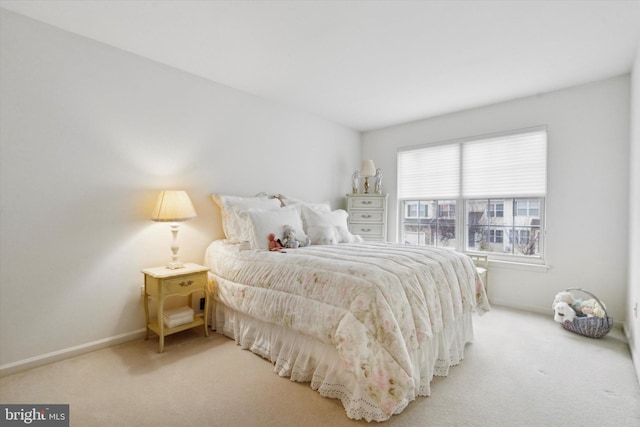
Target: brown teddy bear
[275, 244]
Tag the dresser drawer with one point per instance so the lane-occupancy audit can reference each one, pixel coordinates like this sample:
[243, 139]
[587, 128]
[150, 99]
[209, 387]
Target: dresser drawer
[366, 229]
[358, 216]
[368, 216]
[184, 283]
[359, 202]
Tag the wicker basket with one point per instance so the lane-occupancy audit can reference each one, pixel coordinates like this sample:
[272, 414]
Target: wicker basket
[592, 327]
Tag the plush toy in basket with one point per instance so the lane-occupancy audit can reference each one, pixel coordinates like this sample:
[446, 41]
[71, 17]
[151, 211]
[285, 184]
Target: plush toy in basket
[584, 317]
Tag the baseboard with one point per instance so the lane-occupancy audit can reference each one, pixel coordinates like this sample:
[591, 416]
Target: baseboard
[55, 356]
[538, 310]
[635, 352]
[523, 307]
[636, 362]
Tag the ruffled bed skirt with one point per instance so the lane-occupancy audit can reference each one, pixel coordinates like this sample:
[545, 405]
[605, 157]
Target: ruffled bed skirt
[304, 359]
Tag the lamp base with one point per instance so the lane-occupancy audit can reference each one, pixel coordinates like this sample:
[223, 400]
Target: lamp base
[173, 265]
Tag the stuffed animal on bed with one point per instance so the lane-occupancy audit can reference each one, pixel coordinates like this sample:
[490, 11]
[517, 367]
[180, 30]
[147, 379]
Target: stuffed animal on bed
[291, 242]
[274, 244]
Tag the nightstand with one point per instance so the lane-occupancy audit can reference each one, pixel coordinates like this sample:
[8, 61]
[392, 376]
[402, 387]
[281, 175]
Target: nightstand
[368, 216]
[161, 283]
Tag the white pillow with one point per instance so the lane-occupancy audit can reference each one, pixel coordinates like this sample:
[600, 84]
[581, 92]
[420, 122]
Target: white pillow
[263, 223]
[234, 227]
[324, 235]
[300, 204]
[328, 227]
[319, 206]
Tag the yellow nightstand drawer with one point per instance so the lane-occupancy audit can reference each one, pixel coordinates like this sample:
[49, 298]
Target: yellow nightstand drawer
[184, 283]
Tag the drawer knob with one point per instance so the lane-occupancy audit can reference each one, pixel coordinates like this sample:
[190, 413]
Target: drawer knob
[366, 202]
[184, 284]
[365, 230]
[365, 216]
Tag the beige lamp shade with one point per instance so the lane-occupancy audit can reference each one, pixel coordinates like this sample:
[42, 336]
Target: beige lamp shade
[173, 206]
[367, 168]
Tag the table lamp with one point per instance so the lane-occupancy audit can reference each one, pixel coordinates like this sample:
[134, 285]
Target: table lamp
[174, 206]
[367, 169]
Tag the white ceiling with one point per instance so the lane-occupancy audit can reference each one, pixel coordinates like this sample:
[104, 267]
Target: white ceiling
[367, 64]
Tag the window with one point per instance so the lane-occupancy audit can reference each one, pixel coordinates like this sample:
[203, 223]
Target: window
[495, 236]
[483, 194]
[522, 237]
[447, 209]
[483, 224]
[528, 207]
[423, 229]
[496, 209]
[415, 209]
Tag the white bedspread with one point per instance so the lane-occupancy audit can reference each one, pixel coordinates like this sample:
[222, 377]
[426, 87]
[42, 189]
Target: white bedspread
[393, 313]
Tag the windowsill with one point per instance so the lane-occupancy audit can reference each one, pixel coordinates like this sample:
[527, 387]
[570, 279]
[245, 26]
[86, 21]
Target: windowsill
[538, 268]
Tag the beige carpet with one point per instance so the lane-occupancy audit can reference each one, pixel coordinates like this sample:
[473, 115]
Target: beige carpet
[521, 370]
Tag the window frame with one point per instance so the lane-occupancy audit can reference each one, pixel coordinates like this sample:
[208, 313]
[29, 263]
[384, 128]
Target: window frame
[461, 220]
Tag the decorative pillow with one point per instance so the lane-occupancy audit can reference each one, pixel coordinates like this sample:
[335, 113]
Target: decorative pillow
[263, 223]
[324, 235]
[328, 227]
[234, 227]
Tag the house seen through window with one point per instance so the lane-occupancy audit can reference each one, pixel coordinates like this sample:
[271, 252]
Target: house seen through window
[481, 194]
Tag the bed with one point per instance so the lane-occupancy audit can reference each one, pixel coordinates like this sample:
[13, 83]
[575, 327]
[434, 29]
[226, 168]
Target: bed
[369, 324]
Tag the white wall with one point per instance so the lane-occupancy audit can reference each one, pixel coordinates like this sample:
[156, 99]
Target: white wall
[89, 135]
[587, 204]
[632, 325]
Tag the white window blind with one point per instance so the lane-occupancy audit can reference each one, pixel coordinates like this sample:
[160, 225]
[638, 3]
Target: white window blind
[513, 164]
[510, 165]
[429, 173]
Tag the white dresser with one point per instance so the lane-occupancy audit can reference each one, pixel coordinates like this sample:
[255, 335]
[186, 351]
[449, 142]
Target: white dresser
[368, 216]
